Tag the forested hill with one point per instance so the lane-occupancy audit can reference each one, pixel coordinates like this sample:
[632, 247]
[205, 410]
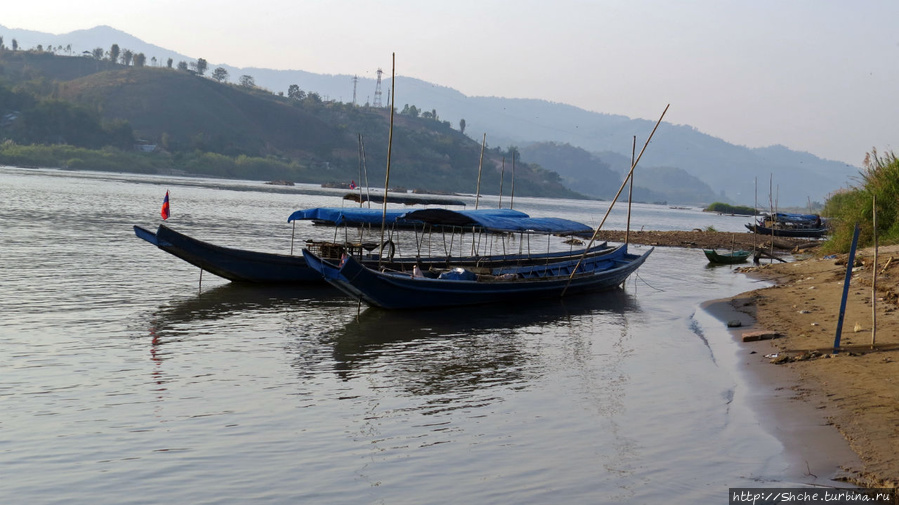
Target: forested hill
[731, 171]
[204, 126]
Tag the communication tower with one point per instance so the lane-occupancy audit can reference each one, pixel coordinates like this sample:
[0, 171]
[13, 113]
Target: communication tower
[355, 80]
[377, 102]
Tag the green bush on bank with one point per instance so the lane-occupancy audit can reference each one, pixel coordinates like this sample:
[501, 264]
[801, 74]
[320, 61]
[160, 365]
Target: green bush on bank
[65, 156]
[723, 208]
[109, 159]
[880, 182]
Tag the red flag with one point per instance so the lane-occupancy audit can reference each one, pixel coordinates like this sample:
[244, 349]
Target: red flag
[353, 184]
[165, 206]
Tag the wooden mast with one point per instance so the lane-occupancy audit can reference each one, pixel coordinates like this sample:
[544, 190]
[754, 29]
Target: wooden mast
[477, 197]
[623, 184]
[389, 147]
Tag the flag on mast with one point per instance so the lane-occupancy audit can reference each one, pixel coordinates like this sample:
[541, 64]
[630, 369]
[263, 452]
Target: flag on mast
[165, 206]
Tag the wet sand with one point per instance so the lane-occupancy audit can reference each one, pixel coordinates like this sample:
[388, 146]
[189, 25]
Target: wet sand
[856, 390]
[806, 393]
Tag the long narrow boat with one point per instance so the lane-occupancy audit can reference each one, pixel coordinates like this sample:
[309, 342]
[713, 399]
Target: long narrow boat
[392, 290]
[240, 265]
[798, 232]
[783, 224]
[728, 258]
[236, 265]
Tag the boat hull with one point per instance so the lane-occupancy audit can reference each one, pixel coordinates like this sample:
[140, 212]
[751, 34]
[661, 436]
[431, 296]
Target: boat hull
[237, 265]
[510, 284]
[240, 265]
[727, 258]
[788, 232]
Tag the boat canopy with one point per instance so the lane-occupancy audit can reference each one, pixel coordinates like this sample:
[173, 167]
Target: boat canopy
[346, 215]
[795, 218]
[499, 220]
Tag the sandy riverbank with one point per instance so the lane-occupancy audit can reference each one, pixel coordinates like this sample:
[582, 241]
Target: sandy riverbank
[857, 390]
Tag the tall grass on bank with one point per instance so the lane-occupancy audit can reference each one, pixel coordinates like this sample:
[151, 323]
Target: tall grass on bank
[880, 180]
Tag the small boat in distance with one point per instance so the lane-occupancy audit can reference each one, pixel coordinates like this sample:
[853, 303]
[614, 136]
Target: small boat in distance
[728, 258]
[782, 224]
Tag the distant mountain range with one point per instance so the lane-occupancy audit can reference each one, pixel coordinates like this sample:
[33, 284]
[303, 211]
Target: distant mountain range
[730, 173]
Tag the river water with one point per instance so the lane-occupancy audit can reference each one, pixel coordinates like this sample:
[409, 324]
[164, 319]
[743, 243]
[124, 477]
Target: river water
[127, 381]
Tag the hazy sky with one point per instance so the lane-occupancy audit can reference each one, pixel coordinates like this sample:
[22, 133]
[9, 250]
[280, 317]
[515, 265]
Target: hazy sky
[814, 75]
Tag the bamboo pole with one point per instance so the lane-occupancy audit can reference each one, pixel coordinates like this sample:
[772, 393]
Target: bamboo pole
[874, 274]
[502, 176]
[609, 211]
[755, 218]
[512, 196]
[293, 233]
[477, 197]
[389, 147]
[630, 195]
[365, 170]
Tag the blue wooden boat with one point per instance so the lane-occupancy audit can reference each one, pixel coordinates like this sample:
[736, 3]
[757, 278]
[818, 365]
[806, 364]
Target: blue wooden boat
[236, 265]
[240, 265]
[782, 224]
[459, 286]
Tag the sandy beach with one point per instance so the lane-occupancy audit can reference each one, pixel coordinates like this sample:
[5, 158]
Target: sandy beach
[855, 390]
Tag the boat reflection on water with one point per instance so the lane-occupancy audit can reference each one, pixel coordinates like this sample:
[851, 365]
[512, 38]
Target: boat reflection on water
[466, 348]
[236, 307]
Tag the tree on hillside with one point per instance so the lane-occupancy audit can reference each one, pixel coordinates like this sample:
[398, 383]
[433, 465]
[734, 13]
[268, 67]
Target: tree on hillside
[114, 53]
[15, 45]
[140, 60]
[169, 63]
[97, 53]
[294, 92]
[182, 66]
[202, 65]
[127, 57]
[247, 81]
[462, 125]
[220, 74]
[410, 110]
[1, 44]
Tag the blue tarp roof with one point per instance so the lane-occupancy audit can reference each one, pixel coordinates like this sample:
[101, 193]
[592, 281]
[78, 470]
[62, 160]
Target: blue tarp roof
[499, 220]
[786, 216]
[348, 215]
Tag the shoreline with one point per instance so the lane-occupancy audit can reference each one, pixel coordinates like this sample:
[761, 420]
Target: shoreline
[816, 452]
[837, 416]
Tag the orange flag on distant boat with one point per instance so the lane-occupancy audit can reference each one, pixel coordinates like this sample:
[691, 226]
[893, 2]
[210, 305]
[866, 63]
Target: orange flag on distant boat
[165, 206]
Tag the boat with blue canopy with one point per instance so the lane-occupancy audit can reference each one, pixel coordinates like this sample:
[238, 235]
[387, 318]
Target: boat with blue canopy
[785, 224]
[241, 265]
[460, 286]
[580, 271]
